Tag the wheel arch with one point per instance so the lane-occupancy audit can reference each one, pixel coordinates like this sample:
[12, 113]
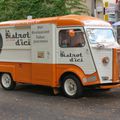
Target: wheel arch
[10, 73]
[69, 73]
[10, 69]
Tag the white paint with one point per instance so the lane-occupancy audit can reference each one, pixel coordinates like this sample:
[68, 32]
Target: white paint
[96, 23]
[43, 43]
[15, 55]
[12, 38]
[44, 48]
[87, 65]
[104, 70]
[12, 52]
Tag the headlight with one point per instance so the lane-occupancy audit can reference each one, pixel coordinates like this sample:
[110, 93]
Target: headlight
[105, 60]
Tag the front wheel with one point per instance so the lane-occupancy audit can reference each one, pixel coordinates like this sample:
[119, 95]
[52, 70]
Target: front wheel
[72, 87]
[7, 81]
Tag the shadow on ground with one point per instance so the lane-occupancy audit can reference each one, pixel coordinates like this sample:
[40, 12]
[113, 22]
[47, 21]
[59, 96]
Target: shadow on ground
[35, 89]
[48, 91]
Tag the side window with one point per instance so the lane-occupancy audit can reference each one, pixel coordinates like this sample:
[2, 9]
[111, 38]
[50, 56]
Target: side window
[71, 38]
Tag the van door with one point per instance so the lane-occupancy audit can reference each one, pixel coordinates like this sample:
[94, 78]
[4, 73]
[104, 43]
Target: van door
[43, 40]
[72, 49]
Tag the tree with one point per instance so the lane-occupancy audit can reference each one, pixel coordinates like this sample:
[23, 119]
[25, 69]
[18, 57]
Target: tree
[6, 9]
[20, 9]
[77, 7]
[48, 8]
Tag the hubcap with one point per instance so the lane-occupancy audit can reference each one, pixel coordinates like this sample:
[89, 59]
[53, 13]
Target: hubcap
[70, 87]
[6, 80]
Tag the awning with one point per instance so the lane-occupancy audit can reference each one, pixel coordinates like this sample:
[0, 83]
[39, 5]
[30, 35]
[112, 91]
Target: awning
[116, 23]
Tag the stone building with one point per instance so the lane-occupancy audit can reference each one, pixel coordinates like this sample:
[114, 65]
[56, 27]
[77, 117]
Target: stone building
[95, 7]
[118, 11]
[118, 19]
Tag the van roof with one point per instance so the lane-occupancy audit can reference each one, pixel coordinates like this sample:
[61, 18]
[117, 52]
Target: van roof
[68, 20]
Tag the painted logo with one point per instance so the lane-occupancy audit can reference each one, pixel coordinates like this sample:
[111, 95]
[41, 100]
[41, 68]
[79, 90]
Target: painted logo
[21, 39]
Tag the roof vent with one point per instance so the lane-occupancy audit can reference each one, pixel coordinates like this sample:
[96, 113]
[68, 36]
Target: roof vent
[29, 17]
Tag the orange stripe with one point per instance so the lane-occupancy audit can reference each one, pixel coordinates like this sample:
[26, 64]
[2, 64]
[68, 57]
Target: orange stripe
[94, 82]
[43, 74]
[68, 20]
[115, 67]
[21, 72]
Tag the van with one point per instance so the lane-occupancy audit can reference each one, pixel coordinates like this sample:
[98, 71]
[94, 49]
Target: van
[68, 52]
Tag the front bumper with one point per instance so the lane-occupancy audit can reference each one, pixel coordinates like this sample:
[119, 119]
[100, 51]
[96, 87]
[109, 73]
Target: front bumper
[110, 86]
[105, 86]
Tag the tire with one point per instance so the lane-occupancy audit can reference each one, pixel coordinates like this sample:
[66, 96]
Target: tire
[72, 87]
[7, 82]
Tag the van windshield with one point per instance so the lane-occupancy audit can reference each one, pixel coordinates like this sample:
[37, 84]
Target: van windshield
[100, 35]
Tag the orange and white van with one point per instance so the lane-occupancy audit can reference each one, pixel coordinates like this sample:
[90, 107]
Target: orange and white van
[68, 52]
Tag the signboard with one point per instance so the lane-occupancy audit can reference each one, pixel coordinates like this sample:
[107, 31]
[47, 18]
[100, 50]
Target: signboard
[42, 36]
[106, 17]
[110, 10]
[99, 8]
[106, 4]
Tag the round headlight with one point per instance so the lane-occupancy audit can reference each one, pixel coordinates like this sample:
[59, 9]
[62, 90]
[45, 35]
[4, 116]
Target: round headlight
[105, 60]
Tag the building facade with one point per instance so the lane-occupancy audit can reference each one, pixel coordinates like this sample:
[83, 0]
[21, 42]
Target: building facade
[118, 11]
[103, 9]
[95, 7]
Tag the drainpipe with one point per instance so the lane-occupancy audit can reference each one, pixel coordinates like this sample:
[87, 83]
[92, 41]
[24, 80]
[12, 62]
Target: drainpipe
[94, 8]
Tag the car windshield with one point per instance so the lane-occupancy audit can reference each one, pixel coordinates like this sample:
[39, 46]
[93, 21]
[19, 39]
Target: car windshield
[100, 35]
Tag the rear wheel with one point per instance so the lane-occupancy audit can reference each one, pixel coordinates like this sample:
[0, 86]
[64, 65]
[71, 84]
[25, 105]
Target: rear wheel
[7, 81]
[72, 86]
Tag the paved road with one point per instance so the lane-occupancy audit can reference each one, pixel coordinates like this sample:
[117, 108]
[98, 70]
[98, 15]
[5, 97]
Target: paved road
[38, 103]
